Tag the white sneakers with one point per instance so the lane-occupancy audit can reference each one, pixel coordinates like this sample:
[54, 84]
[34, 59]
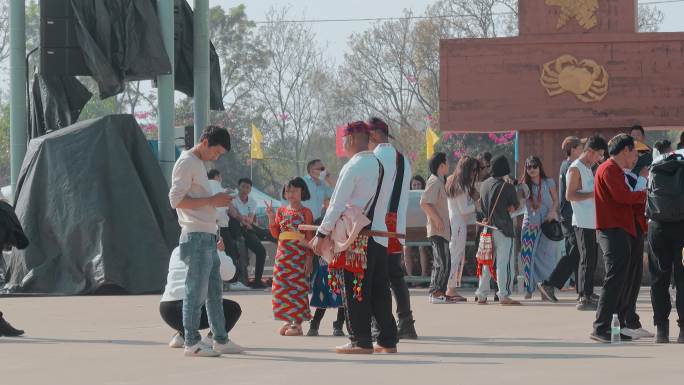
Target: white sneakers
[229, 347]
[177, 341]
[437, 300]
[206, 347]
[200, 350]
[637, 333]
[239, 286]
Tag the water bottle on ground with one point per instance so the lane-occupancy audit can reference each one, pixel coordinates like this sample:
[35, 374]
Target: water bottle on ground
[615, 330]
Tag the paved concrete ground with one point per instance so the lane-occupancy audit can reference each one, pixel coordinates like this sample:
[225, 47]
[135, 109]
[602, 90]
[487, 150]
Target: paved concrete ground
[121, 340]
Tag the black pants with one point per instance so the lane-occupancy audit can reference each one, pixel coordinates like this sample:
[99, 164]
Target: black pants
[441, 265]
[254, 244]
[318, 317]
[234, 254]
[666, 241]
[633, 284]
[586, 241]
[621, 254]
[399, 287]
[569, 263]
[376, 302]
[172, 313]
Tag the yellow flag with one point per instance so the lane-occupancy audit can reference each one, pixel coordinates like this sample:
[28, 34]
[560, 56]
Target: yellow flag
[257, 138]
[431, 138]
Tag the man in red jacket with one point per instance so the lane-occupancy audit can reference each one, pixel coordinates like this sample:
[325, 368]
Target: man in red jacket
[620, 233]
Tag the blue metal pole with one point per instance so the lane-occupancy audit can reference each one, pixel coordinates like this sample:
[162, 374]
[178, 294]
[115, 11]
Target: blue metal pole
[201, 66]
[18, 118]
[165, 101]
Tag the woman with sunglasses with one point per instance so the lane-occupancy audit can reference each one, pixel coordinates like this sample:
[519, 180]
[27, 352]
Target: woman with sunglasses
[538, 253]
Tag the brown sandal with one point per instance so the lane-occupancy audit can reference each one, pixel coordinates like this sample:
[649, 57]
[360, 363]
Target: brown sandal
[294, 330]
[509, 302]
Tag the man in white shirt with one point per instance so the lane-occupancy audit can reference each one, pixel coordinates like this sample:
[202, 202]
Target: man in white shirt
[223, 215]
[246, 207]
[396, 184]
[359, 184]
[319, 182]
[580, 194]
[195, 204]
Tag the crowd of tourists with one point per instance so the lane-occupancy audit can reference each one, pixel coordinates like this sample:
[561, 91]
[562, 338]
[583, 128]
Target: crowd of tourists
[341, 246]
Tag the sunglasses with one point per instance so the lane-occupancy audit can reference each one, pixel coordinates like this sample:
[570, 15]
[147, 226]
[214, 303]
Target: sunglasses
[532, 166]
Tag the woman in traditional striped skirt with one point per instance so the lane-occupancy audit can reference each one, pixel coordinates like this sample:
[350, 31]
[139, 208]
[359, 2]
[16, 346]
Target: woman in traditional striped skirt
[293, 261]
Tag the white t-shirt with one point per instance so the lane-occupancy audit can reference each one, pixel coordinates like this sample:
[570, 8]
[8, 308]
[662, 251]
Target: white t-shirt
[245, 209]
[178, 270]
[221, 212]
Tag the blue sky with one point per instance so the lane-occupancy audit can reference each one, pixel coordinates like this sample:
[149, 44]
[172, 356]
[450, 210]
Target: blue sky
[335, 35]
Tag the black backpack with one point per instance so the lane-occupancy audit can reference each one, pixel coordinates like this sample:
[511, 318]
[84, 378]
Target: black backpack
[665, 201]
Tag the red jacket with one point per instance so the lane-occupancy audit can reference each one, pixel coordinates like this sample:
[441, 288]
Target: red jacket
[616, 205]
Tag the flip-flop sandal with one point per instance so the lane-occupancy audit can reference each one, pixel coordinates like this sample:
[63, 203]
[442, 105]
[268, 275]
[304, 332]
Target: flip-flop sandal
[293, 331]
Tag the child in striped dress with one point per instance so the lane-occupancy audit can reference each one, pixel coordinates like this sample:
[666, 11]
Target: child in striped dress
[293, 261]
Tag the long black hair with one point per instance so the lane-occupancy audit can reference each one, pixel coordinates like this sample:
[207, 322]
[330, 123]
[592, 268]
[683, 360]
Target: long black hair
[534, 160]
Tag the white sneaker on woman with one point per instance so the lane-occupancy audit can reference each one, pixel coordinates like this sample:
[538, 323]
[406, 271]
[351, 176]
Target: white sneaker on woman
[200, 350]
[177, 341]
[229, 347]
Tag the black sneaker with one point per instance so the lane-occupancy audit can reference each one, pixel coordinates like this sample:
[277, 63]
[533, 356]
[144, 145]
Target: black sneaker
[605, 337]
[338, 332]
[595, 297]
[8, 330]
[586, 304]
[406, 329]
[547, 292]
[312, 332]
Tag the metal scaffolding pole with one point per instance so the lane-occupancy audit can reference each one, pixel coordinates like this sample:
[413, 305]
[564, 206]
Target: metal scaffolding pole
[18, 118]
[201, 66]
[165, 101]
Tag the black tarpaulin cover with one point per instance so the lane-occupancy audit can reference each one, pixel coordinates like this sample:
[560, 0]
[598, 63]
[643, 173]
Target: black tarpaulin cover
[184, 64]
[57, 101]
[94, 204]
[121, 40]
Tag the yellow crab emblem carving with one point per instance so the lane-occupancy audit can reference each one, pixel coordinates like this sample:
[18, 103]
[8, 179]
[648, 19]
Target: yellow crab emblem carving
[584, 11]
[586, 79]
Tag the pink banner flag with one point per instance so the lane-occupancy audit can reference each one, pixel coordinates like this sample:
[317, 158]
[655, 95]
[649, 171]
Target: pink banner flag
[339, 146]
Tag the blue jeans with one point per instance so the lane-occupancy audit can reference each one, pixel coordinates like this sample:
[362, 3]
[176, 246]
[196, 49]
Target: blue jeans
[203, 286]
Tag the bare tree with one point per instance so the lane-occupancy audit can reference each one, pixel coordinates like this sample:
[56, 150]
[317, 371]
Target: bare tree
[650, 18]
[289, 89]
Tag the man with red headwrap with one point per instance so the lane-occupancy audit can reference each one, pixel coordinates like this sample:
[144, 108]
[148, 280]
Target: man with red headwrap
[363, 277]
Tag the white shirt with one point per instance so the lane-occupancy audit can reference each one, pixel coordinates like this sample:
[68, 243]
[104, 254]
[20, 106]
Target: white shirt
[387, 155]
[461, 211]
[356, 186]
[178, 270]
[245, 209]
[319, 192]
[189, 179]
[221, 212]
[584, 211]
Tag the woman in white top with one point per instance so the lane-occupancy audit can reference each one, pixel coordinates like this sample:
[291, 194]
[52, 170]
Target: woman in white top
[461, 198]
